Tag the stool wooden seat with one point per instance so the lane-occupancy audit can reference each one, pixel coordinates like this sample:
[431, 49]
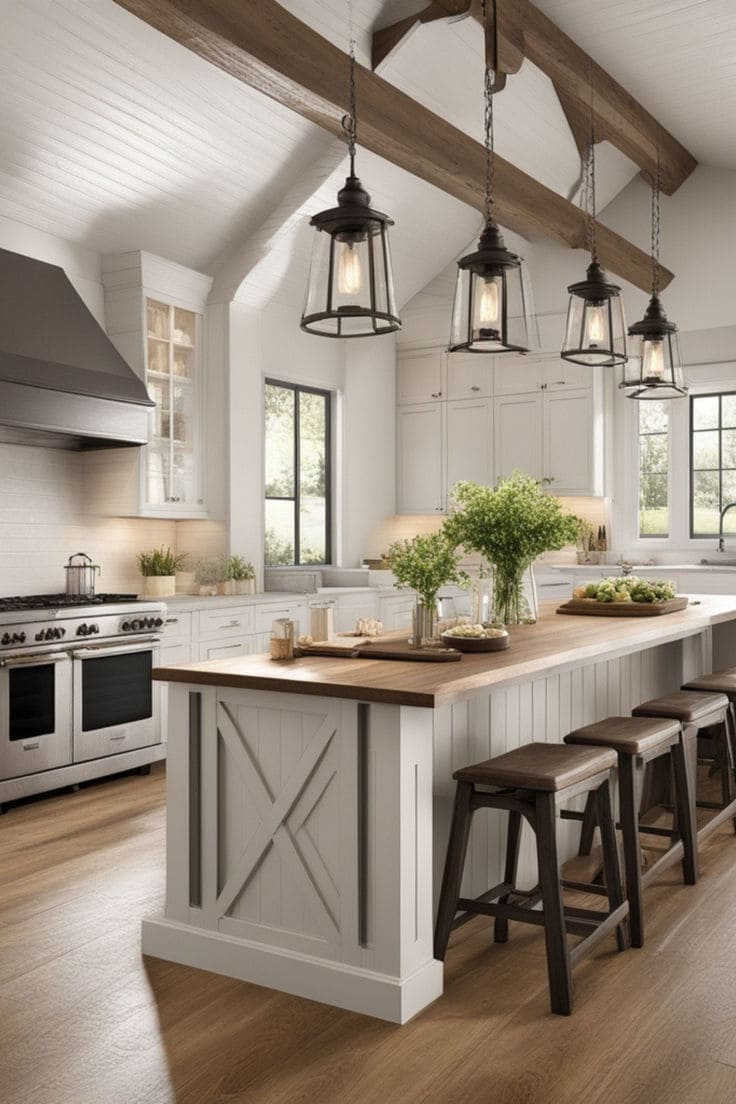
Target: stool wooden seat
[534, 780]
[698, 710]
[720, 682]
[638, 741]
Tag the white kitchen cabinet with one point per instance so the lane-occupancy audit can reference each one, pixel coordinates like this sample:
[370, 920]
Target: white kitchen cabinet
[228, 648]
[517, 375]
[395, 611]
[555, 436]
[420, 376]
[469, 441]
[469, 376]
[517, 435]
[420, 458]
[155, 318]
[348, 609]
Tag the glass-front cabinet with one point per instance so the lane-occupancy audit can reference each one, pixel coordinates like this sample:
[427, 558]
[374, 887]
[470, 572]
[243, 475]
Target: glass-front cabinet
[155, 315]
[172, 475]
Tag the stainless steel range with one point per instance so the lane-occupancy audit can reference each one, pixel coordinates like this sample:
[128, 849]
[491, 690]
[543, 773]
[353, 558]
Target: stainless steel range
[76, 696]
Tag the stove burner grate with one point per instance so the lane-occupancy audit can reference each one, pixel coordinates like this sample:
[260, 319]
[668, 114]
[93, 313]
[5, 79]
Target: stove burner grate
[21, 602]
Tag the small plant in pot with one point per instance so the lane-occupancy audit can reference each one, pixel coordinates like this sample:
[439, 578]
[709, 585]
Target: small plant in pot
[158, 568]
[425, 564]
[242, 573]
[209, 574]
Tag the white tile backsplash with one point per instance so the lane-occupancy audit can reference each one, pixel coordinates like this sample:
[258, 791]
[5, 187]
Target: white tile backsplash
[43, 521]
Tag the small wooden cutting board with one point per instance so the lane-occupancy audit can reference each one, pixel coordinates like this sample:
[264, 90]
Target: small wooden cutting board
[594, 608]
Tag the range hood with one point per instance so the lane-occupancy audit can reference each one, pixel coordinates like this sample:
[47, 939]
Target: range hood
[62, 381]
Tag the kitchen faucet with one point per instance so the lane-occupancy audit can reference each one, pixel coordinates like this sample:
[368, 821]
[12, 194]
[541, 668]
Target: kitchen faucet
[724, 511]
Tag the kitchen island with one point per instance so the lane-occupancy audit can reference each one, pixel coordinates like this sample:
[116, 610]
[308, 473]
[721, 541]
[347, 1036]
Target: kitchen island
[309, 800]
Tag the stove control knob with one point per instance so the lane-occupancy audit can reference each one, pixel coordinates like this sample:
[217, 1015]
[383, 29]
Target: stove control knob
[5, 639]
[94, 628]
[136, 625]
[61, 632]
[22, 638]
[49, 634]
[158, 622]
[40, 635]
[82, 630]
[126, 626]
[18, 638]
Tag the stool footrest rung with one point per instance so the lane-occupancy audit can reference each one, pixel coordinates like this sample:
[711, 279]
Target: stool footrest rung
[571, 814]
[584, 887]
[585, 922]
[599, 933]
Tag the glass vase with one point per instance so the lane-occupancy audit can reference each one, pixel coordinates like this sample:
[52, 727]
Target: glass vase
[424, 625]
[481, 600]
[514, 596]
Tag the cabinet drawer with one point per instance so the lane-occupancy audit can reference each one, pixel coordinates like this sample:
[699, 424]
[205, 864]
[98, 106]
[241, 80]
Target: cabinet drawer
[230, 621]
[225, 649]
[172, 654]
[176, 625]
[265, 615]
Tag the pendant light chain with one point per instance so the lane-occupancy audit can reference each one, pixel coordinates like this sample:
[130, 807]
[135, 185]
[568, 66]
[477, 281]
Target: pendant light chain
[489, 81]
[350, 121]
[589, 177]
[656, 227]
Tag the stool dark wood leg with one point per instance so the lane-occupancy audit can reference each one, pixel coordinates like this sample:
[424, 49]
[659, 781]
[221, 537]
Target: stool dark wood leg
[501, 925]
[558, 958]
[628, 775]
[685, 802]
[453, 872]
[588, 826]
[611, 871]
[728, 790]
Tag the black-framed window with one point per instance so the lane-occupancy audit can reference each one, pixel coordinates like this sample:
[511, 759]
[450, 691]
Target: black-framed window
[298, 487]
[712, 463]
[654, 450]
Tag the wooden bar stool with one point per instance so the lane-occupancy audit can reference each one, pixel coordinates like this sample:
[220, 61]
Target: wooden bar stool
[533, 781]
[638, 741]
[720, 682]
[697, 711]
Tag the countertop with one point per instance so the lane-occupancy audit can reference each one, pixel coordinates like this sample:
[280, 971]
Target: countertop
[554, 642]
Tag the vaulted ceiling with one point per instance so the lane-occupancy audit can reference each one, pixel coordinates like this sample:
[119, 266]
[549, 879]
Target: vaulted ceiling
[116, 137]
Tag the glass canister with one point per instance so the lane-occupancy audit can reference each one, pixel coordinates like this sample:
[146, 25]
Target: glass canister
[283, 634]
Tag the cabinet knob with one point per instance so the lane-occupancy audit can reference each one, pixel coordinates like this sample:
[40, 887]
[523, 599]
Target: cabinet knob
[474, 388]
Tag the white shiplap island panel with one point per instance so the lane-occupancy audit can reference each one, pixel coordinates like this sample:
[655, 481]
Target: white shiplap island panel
[307, 830]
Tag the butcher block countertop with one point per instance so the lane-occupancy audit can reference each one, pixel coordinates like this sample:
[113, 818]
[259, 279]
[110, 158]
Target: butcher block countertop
[552, 643]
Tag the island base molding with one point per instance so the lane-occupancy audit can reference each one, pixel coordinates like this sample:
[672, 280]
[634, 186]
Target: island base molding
[387, 998]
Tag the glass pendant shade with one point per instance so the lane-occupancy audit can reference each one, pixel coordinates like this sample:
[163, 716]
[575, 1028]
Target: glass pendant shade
[492, 312]
[596, 327]
[350, 292]
[658, 373]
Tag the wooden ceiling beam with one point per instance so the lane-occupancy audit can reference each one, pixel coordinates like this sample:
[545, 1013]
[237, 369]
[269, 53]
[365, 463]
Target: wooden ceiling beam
[260, 43]
[618, 117]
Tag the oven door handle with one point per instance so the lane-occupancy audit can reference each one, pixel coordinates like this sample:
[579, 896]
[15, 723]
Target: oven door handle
[38, 660]
[141, 645]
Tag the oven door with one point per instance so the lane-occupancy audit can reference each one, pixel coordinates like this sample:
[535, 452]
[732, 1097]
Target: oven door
[117, 706]
[35, 713]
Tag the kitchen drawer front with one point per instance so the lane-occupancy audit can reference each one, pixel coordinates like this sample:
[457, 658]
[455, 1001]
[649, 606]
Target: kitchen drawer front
[179, 651]
[216, 624]
[228, 648]
[265, 615]
[396, 613]
[176, 625]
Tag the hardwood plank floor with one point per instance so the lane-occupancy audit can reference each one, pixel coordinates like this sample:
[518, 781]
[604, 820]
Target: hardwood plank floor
[85, 1020]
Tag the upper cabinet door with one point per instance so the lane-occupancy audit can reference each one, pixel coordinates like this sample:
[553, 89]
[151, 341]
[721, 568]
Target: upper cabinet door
[517, 435]
[469, 437]
[517, 375]
[419, 376]
[571, 459]
[419, 459]
[559, 373]
[469, 376]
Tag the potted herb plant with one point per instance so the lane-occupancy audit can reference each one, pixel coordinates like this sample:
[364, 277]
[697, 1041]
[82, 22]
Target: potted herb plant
[158, 568]
[242, 573]
[425, 564]
[209, 574]
[511, 525]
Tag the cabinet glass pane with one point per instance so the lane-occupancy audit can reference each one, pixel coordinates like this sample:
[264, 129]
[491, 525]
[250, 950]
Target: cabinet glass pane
[185, 327]
[158, 356]
[182, 424]
[182, 476]
[183, 362]
[157, 474]
[158, 315]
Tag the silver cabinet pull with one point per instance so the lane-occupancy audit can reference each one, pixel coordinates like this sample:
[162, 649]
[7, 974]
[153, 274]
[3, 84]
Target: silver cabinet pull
[31, 747]
[436, 394]
[474, 388]
[172, 620]
[120, 737]
[230, 625]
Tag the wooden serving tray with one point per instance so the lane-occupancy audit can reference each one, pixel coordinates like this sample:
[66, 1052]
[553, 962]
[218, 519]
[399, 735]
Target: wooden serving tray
[395, 649]
[594, 608]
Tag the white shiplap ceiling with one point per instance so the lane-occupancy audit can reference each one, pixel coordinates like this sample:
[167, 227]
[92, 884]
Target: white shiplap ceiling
[677, 57]
[115, 137]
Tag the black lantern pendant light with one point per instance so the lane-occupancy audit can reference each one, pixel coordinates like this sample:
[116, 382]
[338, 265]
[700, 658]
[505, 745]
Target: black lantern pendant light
[351, 285]
[491, 312]
[596, 328]
[659, 363]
